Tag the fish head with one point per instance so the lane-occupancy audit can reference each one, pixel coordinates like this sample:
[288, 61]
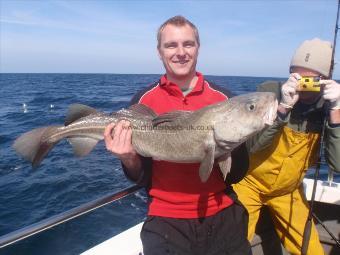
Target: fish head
[244, 116]
[259, 108]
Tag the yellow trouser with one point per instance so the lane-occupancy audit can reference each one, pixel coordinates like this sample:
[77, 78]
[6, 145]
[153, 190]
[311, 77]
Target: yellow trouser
[274, 179]
[289, 214]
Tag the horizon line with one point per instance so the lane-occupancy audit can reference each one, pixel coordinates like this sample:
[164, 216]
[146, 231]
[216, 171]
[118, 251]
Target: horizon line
[138, 74]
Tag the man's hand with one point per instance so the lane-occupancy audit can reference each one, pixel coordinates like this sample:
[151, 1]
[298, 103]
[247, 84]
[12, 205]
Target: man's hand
[331, 92]
[118, 140]
[289, 94]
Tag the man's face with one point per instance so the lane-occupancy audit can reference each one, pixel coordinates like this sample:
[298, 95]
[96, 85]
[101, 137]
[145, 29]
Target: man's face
[306, 96]
[179, 51]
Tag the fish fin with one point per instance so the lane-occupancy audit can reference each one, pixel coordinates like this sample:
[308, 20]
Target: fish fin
[170, 117]
[77, 111]
[82, 145]
[224, 163]
[143, 110]
[136, 111]
[207, 163]
[31, 146]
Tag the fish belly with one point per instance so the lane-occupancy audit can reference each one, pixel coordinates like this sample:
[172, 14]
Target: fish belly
[181, 146]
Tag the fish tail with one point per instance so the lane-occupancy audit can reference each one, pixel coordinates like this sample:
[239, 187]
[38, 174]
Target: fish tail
[35, 144]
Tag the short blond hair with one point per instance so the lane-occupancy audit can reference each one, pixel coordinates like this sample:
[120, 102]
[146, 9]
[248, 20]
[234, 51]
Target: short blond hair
[178, 21]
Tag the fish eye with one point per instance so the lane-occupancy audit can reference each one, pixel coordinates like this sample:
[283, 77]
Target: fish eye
[251, 106]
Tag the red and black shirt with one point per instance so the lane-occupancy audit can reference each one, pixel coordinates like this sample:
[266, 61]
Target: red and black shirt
[176, 190]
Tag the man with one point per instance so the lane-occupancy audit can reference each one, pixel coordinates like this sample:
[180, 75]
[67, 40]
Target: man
[281, 155]
[185, 216]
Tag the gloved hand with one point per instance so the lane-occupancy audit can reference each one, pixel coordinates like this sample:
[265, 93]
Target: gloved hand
[289, 94]
[331, 92]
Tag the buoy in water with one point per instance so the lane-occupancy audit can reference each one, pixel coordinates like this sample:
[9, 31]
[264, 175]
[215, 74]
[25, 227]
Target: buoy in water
[24, 107]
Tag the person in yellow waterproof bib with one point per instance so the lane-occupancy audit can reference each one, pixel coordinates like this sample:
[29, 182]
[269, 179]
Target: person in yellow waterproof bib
[281, 155]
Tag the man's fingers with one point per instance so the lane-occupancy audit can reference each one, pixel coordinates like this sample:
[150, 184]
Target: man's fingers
[128, 135]
[295, 76]
[291, 90]
[325, 82]
[122, 134]
[107, 134]
[117, 134]
[126, 141]
[118, 137]
[328, 85]
[292, 86]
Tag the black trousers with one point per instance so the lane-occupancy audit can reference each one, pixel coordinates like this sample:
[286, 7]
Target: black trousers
[223, 233]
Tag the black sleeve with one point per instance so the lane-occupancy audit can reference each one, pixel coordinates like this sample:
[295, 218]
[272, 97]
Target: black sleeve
[135, 99]
[223, 90]
[239, 164]
[145, 177]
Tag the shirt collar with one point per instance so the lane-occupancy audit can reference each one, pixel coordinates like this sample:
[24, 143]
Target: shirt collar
[174, 89]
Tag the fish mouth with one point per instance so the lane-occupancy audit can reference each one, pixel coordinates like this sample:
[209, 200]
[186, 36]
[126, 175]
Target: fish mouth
[270, 116]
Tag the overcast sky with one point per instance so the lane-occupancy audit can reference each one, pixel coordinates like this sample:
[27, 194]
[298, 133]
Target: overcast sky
[247, 38]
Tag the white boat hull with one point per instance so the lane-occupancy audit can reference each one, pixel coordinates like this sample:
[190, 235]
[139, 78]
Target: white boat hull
[327, 207]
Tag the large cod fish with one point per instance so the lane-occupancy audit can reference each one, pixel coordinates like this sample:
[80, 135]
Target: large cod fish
[201, 136]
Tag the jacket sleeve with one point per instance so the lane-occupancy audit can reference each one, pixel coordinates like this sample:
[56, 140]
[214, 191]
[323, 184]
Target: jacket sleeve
[263, 139]
[239, 164]
[332, 147]
[145, 176]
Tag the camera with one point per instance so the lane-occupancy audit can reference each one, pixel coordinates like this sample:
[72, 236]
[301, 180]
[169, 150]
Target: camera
[309, 84]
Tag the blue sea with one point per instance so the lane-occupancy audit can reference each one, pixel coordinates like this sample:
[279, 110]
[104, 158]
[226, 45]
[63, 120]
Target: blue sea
[63, 181]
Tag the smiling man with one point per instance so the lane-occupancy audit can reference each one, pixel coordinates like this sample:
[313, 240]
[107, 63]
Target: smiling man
[178, 49]
[185, 216]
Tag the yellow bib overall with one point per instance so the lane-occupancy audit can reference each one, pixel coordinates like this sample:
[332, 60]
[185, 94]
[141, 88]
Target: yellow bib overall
[274, 179]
